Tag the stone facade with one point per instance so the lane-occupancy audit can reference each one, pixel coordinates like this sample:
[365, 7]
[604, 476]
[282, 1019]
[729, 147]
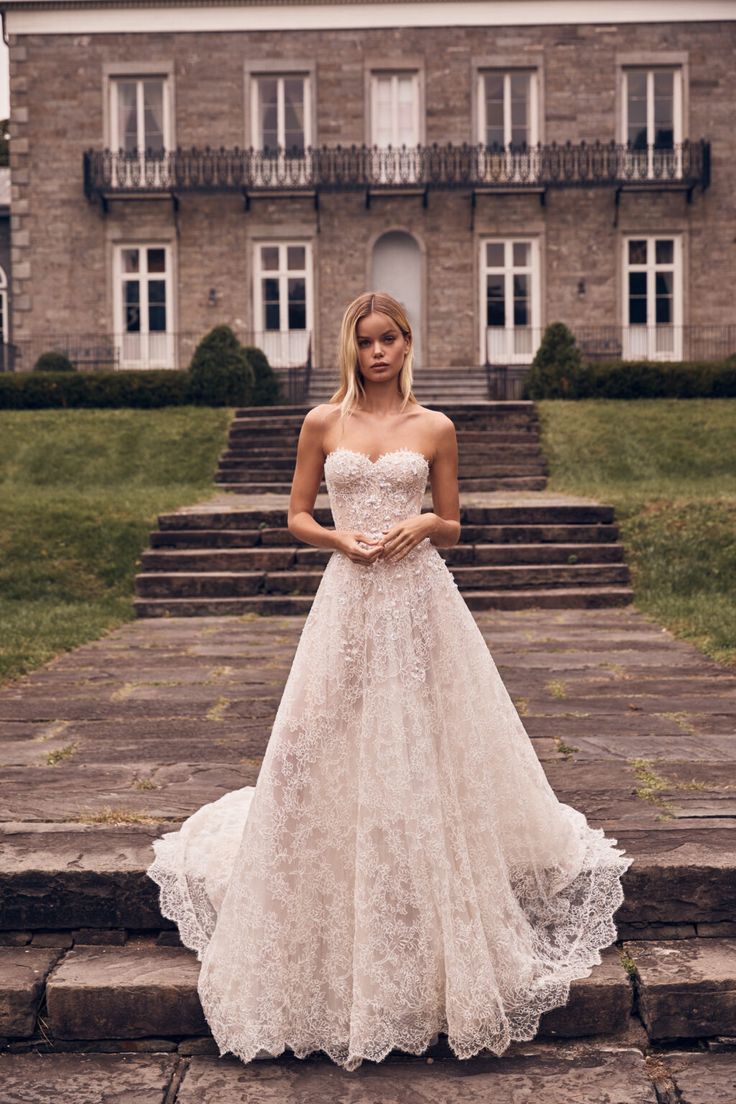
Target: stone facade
[62, 243]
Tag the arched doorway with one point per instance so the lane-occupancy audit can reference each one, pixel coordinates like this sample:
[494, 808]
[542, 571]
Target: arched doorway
[397, 269]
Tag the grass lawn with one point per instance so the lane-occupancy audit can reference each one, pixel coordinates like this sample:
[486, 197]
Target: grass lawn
[669, 468]
[79, 492]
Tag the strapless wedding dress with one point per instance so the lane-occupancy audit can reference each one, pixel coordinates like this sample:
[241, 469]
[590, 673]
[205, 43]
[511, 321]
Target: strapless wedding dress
[402, 866]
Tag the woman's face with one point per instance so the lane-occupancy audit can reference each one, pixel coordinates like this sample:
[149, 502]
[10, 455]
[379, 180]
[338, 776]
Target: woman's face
[381, 347]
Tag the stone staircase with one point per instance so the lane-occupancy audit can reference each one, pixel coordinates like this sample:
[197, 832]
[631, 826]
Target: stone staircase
[218, 560]
[516, 550]
[498, 446]
[432, 386]
[98, 999]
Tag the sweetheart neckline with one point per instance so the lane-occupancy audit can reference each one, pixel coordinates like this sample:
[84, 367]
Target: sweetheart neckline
[391, 452]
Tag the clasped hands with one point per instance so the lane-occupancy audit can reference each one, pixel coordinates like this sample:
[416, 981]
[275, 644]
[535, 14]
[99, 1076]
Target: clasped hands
[395, 543]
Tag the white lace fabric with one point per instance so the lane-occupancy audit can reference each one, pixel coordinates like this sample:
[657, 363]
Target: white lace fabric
[402, 866]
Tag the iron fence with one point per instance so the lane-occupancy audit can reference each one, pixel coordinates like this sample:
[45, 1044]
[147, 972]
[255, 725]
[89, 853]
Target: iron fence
[339, 168]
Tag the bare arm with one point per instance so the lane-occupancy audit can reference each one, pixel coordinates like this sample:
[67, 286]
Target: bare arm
[305, 486]
[445, 495]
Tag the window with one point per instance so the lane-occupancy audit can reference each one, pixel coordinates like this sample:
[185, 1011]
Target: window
[281, 113]
[283, 301]
[652, 298]
[395, 123]
[507, 110]
[140, 115]
[509, 300]
[143, 306]
[652, 121]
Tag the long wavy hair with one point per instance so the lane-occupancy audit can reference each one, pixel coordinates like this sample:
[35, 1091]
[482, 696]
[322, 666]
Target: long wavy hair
[351, 387]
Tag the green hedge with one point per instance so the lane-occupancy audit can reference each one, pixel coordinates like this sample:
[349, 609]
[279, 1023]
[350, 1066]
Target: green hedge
[645, 379]
[41, 390]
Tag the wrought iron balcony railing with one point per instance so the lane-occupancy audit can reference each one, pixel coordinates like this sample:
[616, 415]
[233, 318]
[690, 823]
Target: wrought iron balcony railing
[338, 168]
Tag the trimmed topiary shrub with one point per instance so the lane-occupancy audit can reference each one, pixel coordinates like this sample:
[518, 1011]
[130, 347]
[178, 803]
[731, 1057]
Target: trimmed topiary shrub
[556, 365]
[53, 361]
[266, 389]
[220, 373]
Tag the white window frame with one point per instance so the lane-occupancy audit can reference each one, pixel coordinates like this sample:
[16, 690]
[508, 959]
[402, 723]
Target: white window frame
[284, 348]
[140, 79]
[653, 341]
[394, 75]
[649, 163]
[255, 105]
[143, 349]
[533, 75]
[510, 344]
[394, 165]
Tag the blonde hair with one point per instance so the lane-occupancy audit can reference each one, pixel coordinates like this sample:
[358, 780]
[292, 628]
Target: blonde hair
[351, 388]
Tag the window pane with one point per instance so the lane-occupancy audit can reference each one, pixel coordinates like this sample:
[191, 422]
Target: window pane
[664, 251]
[296, 258]
[156, 260]
[270, 257]
[637, 252]
[131, 306]
[268, 112]
[271, 310]
[663, 110]
[521, 254]
[494, 109]
[382, 122]
[520, 108]
[153, 115]
[494, 254]
[130, 260]
[127, 115]
[156, 306]
[297, 304]
[495, 300]
[663, 284]
[637, 109]
[637, 298]
[406, 94]
[294, 112]
[521, 299]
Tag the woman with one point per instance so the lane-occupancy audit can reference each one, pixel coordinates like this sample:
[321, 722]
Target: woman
[402, 867]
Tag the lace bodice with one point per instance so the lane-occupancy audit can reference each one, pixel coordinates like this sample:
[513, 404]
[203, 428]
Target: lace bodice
[372, 495]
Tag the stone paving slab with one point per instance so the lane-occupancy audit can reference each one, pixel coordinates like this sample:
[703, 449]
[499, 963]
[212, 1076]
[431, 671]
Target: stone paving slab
[703, 1078]
[143, 989]
[574, 1077]
[86, 1078]
[23, 971]
[687, 988]
[154, 719]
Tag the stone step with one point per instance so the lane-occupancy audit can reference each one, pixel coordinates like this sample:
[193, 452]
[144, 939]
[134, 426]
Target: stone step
[245, 467]
[523, 448]
[266, 605]
[298, 410]
[243, 435]
[528, 515]
[500, 483]
[286, 557]
[226, 584]
[471, 534]
[142, 990]
[65, 876]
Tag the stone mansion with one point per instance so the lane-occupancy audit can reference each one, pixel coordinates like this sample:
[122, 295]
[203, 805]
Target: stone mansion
[495, 165]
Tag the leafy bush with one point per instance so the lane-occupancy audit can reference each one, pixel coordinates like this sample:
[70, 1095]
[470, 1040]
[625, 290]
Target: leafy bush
[53, 361]
[267, 389]
[647, 379]
[220, 373]
[556, 365]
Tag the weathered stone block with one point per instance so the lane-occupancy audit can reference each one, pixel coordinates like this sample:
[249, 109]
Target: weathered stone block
[23, 971]
[687, 987]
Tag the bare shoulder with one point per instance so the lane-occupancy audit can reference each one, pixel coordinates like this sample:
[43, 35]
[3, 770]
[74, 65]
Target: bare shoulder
[321, 416]
[440, 429]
